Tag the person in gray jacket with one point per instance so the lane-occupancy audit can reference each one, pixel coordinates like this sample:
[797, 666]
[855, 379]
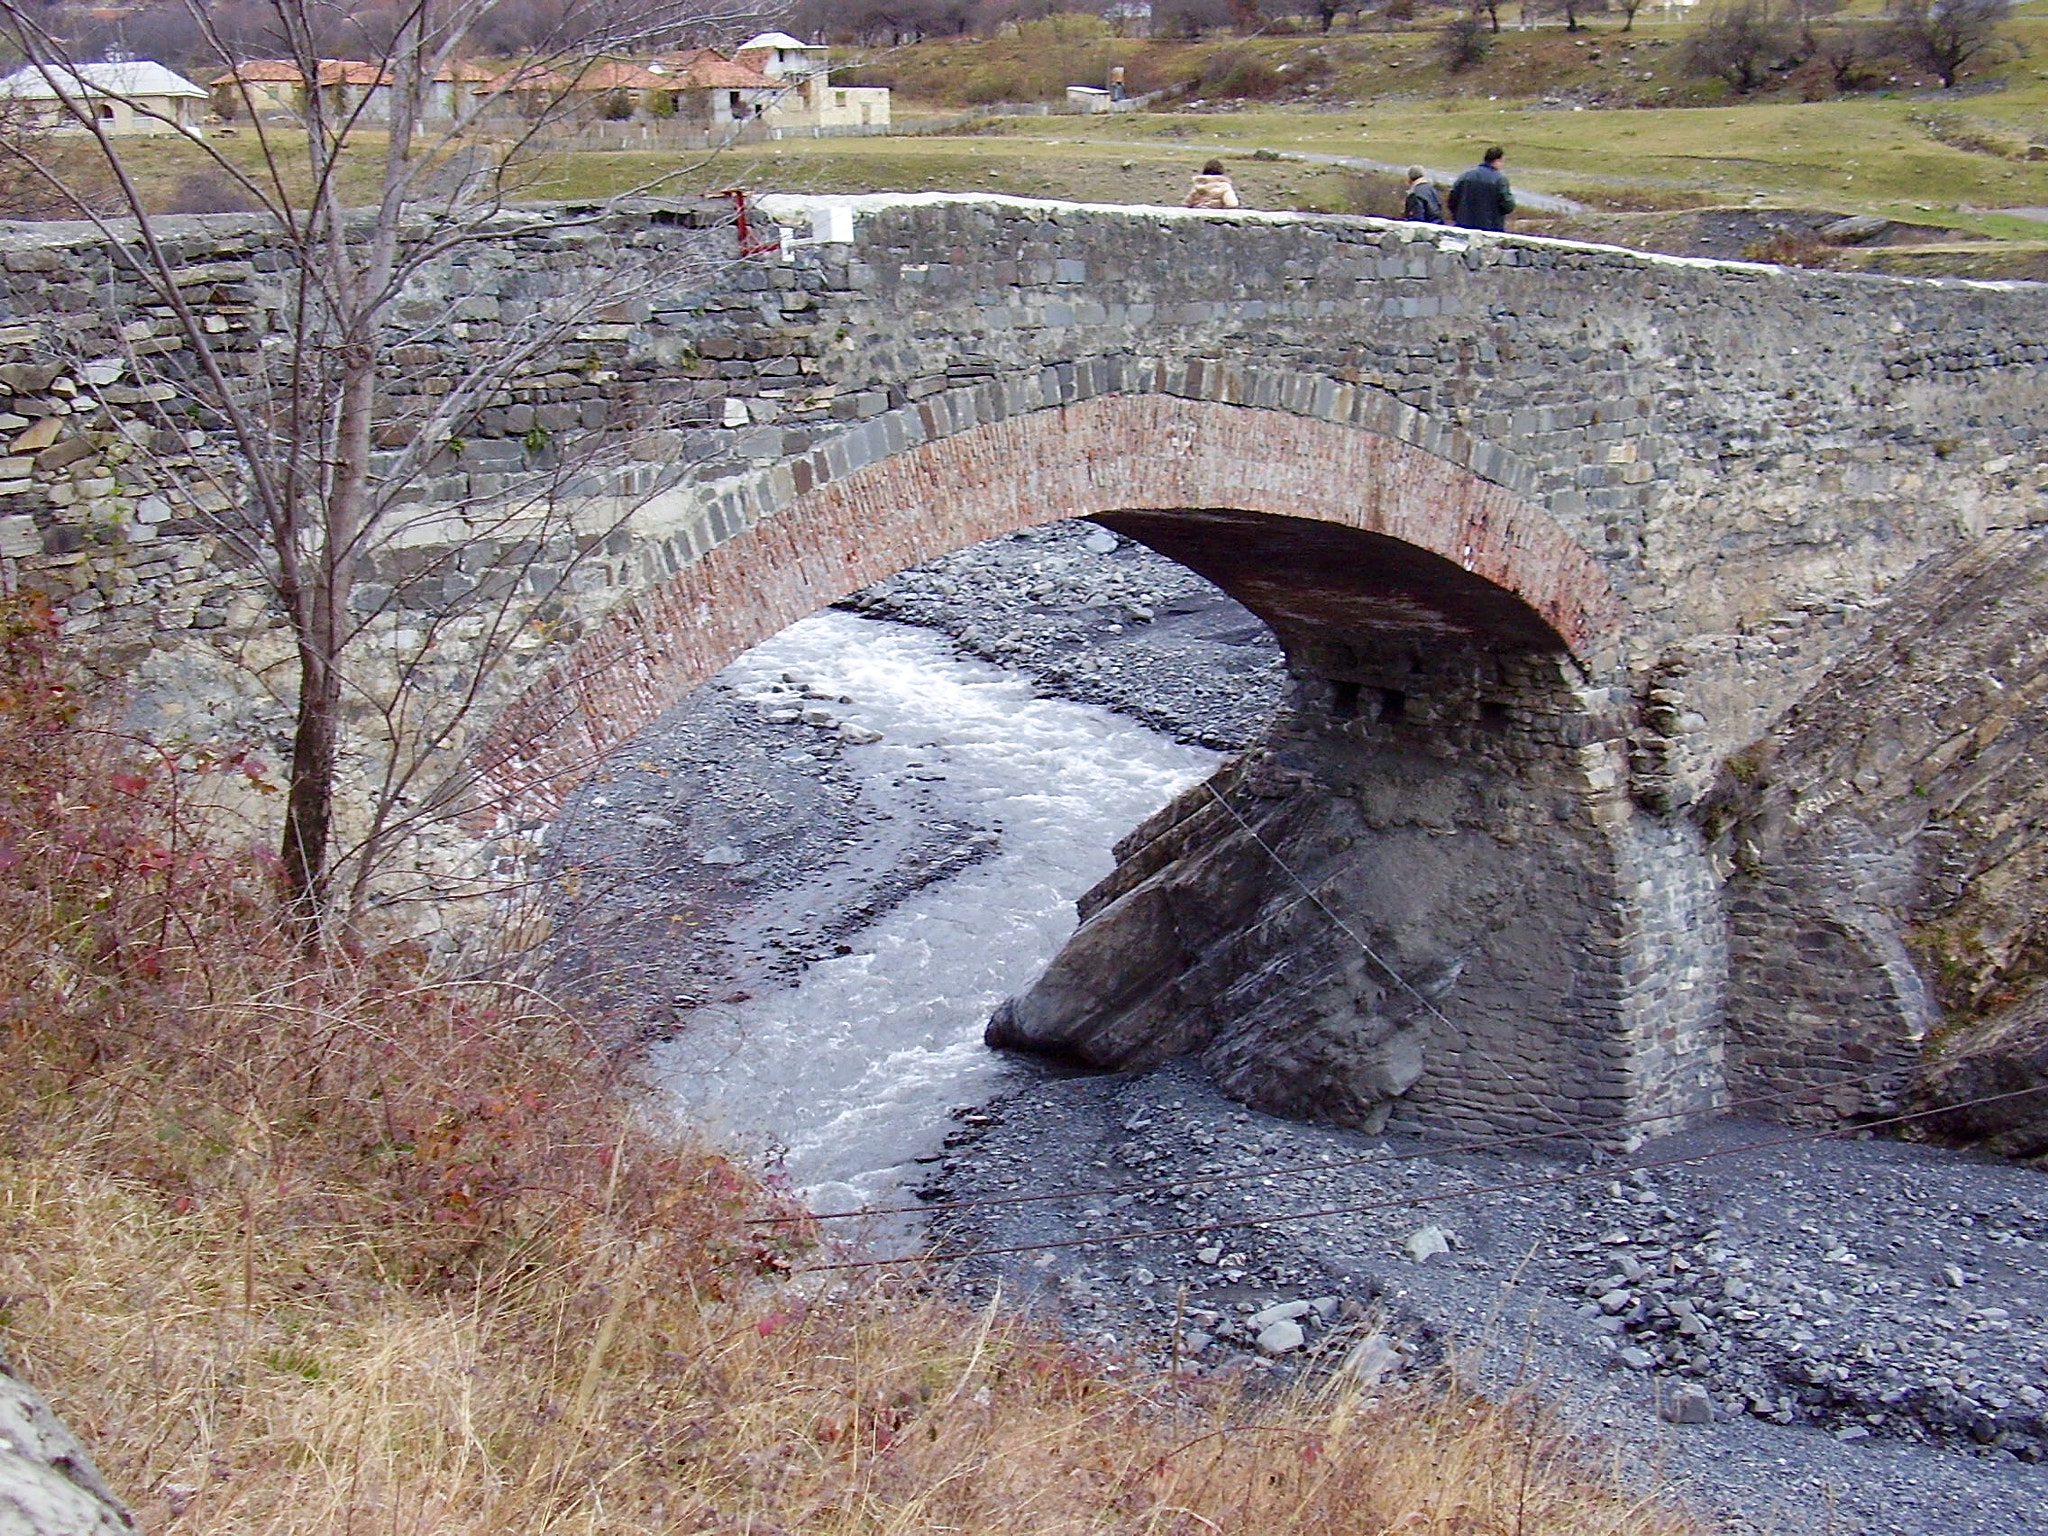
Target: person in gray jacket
[1480, 198]
[1424, 204]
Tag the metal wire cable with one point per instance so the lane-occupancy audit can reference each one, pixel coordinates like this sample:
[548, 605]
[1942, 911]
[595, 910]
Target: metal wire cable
[1403, 1202]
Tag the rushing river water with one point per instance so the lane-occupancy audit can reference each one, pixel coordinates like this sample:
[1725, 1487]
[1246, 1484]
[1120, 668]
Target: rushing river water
[852, 1069]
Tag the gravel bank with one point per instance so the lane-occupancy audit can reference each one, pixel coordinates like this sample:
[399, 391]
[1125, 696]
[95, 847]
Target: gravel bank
[1848, 1330]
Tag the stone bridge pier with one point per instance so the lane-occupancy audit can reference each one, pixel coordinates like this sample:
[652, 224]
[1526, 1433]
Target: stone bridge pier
[1429, 886]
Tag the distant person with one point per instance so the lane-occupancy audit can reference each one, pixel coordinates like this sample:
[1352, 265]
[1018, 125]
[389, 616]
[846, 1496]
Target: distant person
[1480, 198]
[1425, 205]
[1212, 189]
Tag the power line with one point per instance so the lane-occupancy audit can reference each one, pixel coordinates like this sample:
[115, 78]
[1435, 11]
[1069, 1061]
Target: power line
[1440, 1197]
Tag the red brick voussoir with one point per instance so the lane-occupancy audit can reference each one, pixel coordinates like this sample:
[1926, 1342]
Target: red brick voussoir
[1103, 455]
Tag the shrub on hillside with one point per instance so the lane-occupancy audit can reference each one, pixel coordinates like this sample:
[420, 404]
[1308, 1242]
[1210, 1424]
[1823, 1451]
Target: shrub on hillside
[1376, 194]
[1239, 73]
[1947, 37]
[1788, 248]
[208, 192]
[1463, 42]
[1741, 42]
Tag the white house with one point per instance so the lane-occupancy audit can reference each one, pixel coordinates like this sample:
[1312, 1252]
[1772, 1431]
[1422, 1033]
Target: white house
[126, 96]
[808, 98]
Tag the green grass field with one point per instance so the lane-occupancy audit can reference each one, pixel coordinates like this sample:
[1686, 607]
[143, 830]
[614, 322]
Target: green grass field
[1933, 157]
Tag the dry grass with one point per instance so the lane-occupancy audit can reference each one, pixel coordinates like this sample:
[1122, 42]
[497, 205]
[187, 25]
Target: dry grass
[339, 1248]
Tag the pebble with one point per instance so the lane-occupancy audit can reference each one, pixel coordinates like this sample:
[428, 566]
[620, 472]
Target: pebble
[1281, 1337]
[1426, 1243]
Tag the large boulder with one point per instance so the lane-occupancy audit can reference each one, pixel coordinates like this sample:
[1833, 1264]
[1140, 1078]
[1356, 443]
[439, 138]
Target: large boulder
[1992, 1079]
[48, 1484]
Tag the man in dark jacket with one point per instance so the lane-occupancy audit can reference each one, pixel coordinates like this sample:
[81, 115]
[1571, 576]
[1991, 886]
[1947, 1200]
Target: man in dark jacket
[1423, 205]
[1480, 198]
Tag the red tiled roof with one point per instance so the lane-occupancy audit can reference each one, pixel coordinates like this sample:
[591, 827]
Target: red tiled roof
[352, 72]
[261, 72]
[700, 69]
[617, 75]
[707, 70]
[470, 74]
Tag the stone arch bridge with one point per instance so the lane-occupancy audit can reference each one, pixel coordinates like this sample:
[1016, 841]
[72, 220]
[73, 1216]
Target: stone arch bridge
[1664, 634]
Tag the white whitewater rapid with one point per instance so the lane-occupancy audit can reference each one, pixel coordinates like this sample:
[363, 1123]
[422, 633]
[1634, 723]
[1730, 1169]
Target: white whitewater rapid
[851, 1071]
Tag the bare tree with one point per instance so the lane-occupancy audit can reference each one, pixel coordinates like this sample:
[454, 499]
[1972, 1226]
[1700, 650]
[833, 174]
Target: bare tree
[1738, 42]
[1190, 18]
[1845, 52]
[1571, 12]
[1946, 37]
[325, 455]
[1628, 9]
[892, 23]
[27, 148]
[1805, 17]
[1464, 41]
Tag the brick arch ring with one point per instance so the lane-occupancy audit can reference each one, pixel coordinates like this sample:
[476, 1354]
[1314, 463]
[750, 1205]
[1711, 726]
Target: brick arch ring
[1098, 456]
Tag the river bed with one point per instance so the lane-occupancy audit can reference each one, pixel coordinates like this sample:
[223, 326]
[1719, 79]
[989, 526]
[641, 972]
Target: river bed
[748, 879]
[841, 1062]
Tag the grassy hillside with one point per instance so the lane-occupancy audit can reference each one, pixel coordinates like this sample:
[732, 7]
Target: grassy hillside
[1606, 118]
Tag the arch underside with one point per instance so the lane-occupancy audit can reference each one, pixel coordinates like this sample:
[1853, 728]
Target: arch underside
[1315, 581]
[1317, 527]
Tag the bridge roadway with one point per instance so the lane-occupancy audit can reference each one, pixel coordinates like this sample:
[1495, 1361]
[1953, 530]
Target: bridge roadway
[1596, 572]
